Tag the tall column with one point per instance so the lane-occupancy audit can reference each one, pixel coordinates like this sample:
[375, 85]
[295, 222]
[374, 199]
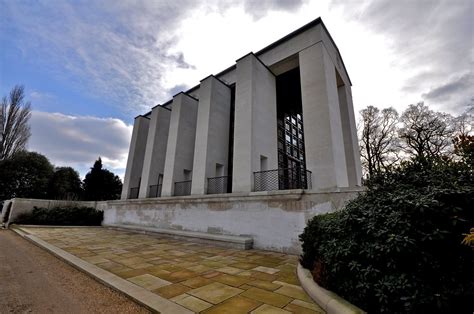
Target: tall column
[324, 143]
[212, 133]
[355, 139]
[349, 131]
[255, 128]
[180, 146]
[155, 153]
[136, 155]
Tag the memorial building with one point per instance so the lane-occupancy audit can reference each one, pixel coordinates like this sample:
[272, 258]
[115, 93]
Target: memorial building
[278, 119]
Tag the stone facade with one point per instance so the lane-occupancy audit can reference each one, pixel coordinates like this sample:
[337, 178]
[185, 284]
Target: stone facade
[231, 133]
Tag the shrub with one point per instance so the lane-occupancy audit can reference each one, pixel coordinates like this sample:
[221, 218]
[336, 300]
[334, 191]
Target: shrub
[62, 216]
[397, 248]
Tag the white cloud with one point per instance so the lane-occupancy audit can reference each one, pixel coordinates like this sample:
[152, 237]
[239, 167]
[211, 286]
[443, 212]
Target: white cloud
[135, 54]
[77, 141]
[131, 54]
[428, 46]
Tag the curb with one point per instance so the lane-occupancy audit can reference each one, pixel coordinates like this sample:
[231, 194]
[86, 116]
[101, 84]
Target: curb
[327, 300]
[223, 240]
[146, 298]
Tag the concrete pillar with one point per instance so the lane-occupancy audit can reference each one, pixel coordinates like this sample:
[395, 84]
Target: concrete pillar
[324, 143]
[255, 127]
[155, 153]
[180, 146]
[349, 132]
[355, 139]
[212, 133]
[136, 155]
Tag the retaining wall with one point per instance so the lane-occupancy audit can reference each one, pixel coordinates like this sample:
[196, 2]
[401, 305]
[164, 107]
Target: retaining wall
[273, 219]
[24, 205]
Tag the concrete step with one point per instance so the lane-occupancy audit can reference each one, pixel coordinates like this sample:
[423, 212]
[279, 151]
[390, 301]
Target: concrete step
[229, 241]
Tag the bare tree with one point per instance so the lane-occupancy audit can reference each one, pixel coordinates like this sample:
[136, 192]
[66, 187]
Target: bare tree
[464, 124]
[14, 129]
[378, 139]
[426, 133]
[463, 140]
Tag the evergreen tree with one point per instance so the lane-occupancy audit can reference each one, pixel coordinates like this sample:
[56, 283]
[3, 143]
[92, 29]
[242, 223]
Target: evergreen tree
[26, 175]
[65, 184]
[101, 184]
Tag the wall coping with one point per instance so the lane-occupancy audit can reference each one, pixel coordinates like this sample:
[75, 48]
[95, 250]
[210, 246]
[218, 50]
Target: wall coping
[327, 300]
[296, 194]
[49, 200]
[232, 197]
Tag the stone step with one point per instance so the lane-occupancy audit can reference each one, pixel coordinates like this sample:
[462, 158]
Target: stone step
[229, 241]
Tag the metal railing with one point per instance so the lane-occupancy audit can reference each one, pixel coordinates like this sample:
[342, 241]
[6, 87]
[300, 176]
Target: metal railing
[155, 190]
[134, 193]
[218, 185]
[182, 188]
[282, 179]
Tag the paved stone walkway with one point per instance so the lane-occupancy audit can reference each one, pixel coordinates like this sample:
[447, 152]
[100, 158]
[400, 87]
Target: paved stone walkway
[202, 278]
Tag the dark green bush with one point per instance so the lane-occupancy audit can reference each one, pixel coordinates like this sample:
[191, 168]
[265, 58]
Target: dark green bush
[397, 248]
[62, 216]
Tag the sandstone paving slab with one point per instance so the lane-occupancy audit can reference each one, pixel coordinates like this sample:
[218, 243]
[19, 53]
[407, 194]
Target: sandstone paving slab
[199, 268]
[140, 265]
[112, 266]
[244, 265]
[231, 280]
[211, 274]
[96, 259]
[299, 309]
[149, 282]
[193, 303]
[197, 282]
[215, 292]
[229, 270]
[262, 276]
[132, 273]
[268, 309]
[179, 275]
[262, 284]
[266, 270]
[201, 278]
[294, 292]
[172, 290]
[308, 305]
[293, 308]
[267, 297]
[234, 305]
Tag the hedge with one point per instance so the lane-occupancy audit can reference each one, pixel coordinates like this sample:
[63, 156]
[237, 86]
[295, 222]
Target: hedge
[62, 216]
[397, 248]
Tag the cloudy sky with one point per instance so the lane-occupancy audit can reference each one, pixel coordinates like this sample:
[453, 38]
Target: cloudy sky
[89, 67]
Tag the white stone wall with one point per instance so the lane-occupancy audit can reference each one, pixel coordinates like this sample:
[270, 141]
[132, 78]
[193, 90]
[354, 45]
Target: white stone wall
[212, 133]
[181, 138]
[136, 155]
[273, 219]
[255, 128]
[155, 154]
[324, 143]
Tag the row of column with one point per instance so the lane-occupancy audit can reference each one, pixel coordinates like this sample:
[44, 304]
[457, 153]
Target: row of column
[190, 142]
